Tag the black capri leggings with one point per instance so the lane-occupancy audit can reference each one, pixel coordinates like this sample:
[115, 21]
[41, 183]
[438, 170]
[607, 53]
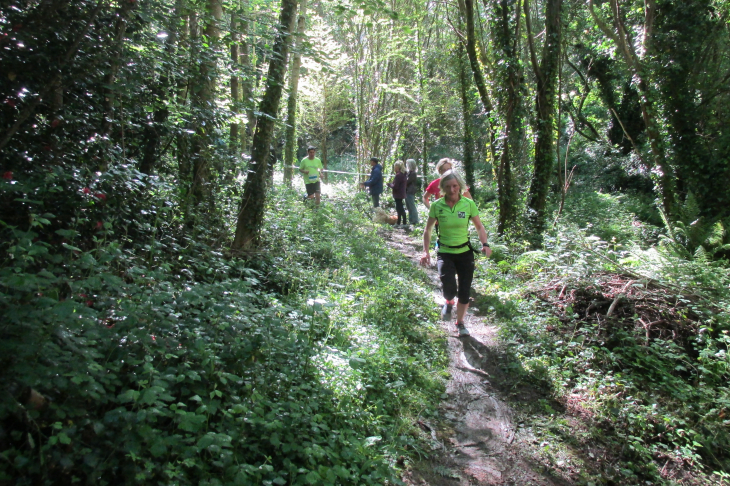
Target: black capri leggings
[400, 209]
[451, 266]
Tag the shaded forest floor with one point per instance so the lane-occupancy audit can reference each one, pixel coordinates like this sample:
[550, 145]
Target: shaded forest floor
[494, 427]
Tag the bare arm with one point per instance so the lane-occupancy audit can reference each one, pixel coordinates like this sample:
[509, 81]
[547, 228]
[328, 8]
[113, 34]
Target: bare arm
[427, 200]
[426, 258]
[483, 237]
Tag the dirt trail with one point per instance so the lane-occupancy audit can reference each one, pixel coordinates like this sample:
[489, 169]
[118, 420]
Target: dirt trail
[477, 441]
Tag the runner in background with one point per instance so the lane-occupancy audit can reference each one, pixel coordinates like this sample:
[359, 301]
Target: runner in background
[433, 188]
[311, 169]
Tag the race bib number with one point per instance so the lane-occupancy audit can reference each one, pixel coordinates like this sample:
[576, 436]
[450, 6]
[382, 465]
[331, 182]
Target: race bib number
[462, 214]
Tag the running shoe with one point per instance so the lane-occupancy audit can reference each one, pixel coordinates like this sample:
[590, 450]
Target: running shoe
[446, 312]
[463, 331]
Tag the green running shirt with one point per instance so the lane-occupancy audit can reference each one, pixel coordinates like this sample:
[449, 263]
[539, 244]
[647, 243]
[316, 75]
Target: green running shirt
[311, 165]
[453, 223]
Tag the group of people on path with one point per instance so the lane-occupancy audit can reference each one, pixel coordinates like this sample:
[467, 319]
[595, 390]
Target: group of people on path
[405, 186]
[449, 215]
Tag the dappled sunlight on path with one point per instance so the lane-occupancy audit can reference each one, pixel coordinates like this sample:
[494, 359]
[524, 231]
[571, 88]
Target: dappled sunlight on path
[474, 442]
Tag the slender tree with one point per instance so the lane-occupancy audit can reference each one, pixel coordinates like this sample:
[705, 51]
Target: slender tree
[244, 59]
[622, 38]
[684, 37]
[251, 212]
[546, 76]
[115, 60]
[161, 92]
[466, 114]
[291, 118]
[235, 137]
[506, 34]
[466, 8]
[204, 100]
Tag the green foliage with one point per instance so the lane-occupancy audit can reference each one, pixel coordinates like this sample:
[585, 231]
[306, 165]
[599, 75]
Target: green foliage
[657, 391]
[159, 359]
[691, 236]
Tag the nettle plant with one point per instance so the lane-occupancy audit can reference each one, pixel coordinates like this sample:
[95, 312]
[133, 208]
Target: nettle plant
[138, 352]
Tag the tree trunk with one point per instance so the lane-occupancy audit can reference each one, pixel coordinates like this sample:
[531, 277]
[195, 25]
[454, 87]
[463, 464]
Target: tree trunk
[422, 105]
[638, 70]
[246, 86]
[188, 36]
[509, 74]
[291, 118]
[326, 99]
[467, 12]
[682, 32]
[546, 74]
[120, 27]
[204, 101]
[466, 113]
[251, 212]
[153, 131]
[234, 141]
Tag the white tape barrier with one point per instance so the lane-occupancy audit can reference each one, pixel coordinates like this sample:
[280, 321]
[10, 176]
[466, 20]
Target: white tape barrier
[350, 173]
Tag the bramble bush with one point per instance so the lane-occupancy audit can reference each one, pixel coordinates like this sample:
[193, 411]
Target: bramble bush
[653, 372]
[138, 351]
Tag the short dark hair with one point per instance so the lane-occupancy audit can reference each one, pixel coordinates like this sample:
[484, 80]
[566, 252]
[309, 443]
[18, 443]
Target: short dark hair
[311, 147]
[374, 159]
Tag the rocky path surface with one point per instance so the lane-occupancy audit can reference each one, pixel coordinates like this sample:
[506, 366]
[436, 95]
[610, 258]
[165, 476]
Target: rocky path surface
[477, 440]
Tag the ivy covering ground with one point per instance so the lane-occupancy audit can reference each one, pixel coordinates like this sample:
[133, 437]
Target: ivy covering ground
[135, 351]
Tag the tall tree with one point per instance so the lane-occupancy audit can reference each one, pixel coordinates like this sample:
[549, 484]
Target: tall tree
[466, 114]
[251, 211]
[546, 76]
[684, 38]
[505, 31]
[466, 8]
[291, 118]
[244, 59]
[161, 92]
[204, 102]
[235, 137]
[622, 37]
[115, 60]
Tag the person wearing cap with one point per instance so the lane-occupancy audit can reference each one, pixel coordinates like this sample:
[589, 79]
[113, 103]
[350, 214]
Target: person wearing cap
[375, 182]
[455, 254]
[311, 169]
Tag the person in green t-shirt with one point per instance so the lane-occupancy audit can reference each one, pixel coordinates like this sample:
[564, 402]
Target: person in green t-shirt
[455, 256]
[311, 169]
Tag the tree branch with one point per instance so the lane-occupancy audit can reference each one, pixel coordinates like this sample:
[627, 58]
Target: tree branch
[55, 82]
[531, 41]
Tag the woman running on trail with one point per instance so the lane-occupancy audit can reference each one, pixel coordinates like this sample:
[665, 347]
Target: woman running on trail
[455, 257]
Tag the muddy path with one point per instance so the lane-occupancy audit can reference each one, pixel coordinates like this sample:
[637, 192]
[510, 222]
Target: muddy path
[478, 439]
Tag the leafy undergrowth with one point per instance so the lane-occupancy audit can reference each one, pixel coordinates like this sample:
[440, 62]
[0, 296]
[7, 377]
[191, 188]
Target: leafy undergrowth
[134, 351]
[632, 342]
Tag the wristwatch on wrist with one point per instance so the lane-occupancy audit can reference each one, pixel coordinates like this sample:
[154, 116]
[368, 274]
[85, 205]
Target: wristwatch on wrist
[485, 245]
